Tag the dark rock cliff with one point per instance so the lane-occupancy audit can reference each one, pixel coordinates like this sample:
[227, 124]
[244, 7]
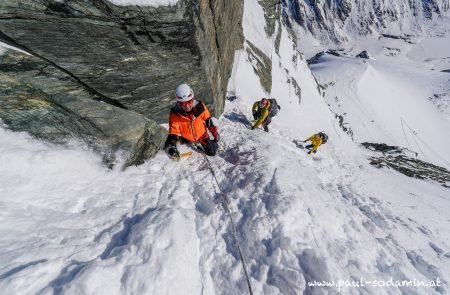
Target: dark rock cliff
[130, 58]
[50, 104]
[404, 161]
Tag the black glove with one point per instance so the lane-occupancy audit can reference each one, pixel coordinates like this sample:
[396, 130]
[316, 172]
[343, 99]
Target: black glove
[173, 152]
[279, 107]
[253, 127]
[309, 153]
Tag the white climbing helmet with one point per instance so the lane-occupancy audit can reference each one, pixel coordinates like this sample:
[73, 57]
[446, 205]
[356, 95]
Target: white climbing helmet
[184, 93]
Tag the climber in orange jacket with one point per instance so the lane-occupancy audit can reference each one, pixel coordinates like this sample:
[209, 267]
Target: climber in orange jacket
[316, 140]
[190, 121]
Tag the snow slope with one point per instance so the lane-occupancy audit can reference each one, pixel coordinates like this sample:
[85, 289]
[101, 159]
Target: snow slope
[68, 225]
[400, 99]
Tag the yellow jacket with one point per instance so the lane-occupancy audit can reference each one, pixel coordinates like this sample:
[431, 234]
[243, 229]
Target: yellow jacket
[316, 141]
[263, 114]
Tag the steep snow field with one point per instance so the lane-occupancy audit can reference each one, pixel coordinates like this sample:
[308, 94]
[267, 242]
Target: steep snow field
[68, 225]
[400, 97]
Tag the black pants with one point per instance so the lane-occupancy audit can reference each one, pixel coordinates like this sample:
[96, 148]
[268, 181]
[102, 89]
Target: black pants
[267, 121]
[210, 147]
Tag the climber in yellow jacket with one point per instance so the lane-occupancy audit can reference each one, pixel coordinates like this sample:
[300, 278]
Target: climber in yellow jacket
[263, 111]
[316, 140]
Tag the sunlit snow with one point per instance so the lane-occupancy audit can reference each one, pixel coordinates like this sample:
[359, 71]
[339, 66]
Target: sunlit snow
[69, 225]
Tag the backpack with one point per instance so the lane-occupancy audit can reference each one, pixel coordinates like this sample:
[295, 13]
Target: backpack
[324, 137]
[274, 107]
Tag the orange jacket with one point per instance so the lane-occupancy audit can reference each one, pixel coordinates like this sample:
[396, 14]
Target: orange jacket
[192, 129]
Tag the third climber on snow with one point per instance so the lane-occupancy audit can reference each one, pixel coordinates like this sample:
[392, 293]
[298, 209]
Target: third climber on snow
[316, 140]
[190, 121]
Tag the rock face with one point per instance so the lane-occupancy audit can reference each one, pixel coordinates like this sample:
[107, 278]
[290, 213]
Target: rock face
[128, 57]
[51, 105]
[363, 54]
[262, 65]
[218, 33]
[403, 161]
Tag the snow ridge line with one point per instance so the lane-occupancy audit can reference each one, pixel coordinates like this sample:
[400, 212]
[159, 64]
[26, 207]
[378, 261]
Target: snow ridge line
[227, 209]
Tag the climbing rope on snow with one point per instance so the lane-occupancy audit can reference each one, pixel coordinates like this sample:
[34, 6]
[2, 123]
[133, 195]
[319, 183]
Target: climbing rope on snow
[415, 135]
[227, 209]
[404, 133]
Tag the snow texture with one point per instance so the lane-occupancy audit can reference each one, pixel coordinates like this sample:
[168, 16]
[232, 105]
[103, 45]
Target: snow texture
[68, 225]
[399, 98]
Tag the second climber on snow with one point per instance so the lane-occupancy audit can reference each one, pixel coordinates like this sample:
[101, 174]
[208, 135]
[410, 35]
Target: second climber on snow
[263, 111]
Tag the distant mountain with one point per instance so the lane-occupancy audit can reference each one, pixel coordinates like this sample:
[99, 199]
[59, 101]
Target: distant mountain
[337, 20]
